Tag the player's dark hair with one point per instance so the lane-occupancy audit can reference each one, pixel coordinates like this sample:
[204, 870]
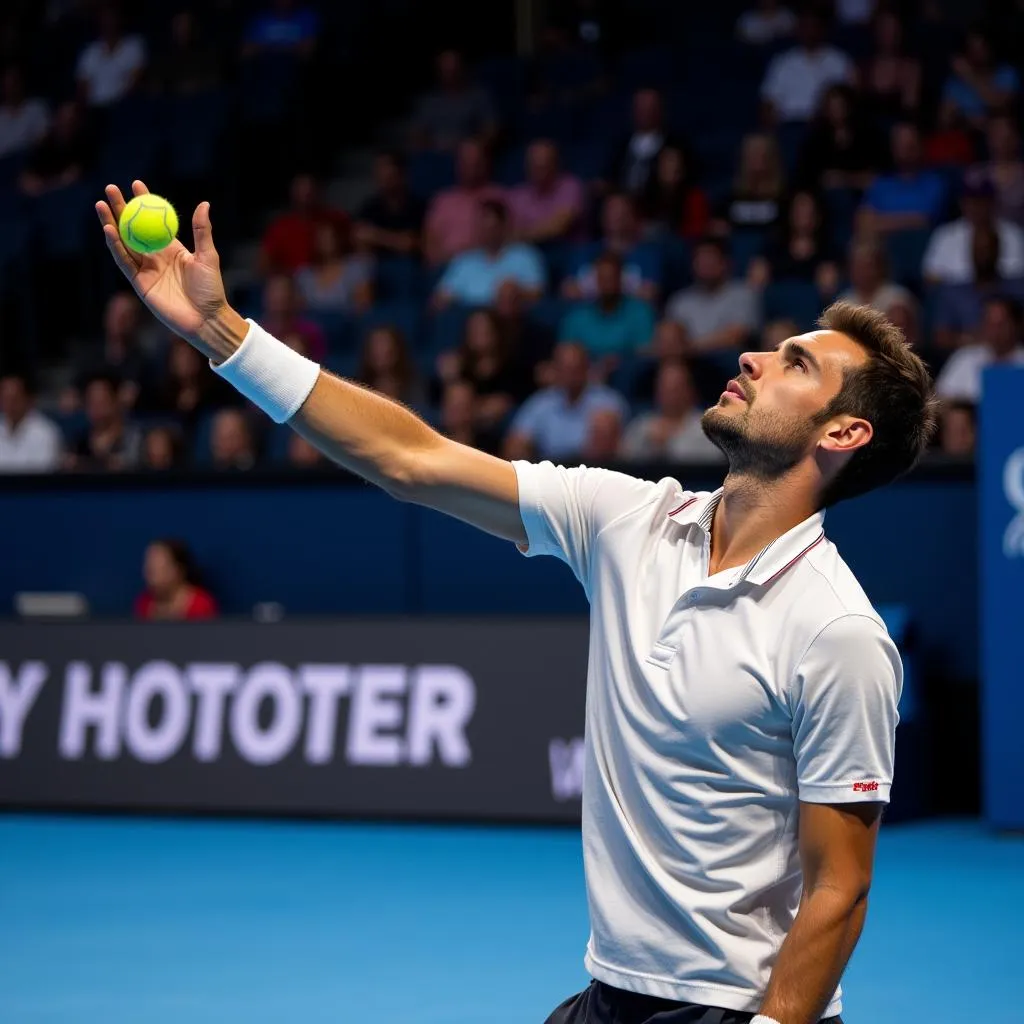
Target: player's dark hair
[182, 557]
[892, 391]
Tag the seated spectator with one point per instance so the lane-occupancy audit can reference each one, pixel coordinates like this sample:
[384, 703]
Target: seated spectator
[672, 430]
[909, 197]
[338, 279]
[530, 340]
[603, 442]
[23, 120]
[870, 284]
[187, 391]
[890, 79]
[29, 442]
[386, 365]
[303, 455]
[548, 207]
[455, 111]
[612, 324]
[486, 360]
[452, 224]
[776, 332]
[959, 307]
[672, 204]
[1005, 168]
[795, 80]
[717, 313]
[109, 68]
[950, 143]
[280, 316]
[173, 587]
[958, 428]
[108, 442]
[641, 261]
[473, 277]
[767, 23]
[284, 28]
[757, 191]
[231, 442]
[161, 449]
[979, 84]
[61, 156]
[553, 422]
[948, 258]
[190, 64]
[634, 159]
[842, 147]
[999, 341]
[459, 419]
[390, 222]
[801, 250]
[288, 241]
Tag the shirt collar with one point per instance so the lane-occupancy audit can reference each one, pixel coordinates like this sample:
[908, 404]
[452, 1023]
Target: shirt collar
[771, 561]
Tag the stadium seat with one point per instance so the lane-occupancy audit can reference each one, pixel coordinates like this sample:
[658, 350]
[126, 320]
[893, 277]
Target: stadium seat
[795, 300]
[511, 166]
[431, 172]
[60, 220]
[400, 279]
[744, 245]
[195, 125]
[549, 311]
[337, 327]
[652, 67]
[266, 87]
[406, 316]
[905, 250]
[443, 330]
[505, 79]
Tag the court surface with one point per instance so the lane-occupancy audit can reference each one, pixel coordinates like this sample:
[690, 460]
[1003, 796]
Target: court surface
[143, 921]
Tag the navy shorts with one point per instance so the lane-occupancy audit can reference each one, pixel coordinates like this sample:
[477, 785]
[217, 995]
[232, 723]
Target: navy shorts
[602, 1004]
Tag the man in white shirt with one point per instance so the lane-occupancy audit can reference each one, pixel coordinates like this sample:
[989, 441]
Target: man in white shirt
[23, 121]
[110, 67]
[796, 80]
[742, 692]
[948, 258]
[29, 442]
[1000, 342]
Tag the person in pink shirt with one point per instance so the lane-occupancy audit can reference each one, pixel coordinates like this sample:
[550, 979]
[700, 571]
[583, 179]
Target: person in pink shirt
[548, 207]
[452, 217]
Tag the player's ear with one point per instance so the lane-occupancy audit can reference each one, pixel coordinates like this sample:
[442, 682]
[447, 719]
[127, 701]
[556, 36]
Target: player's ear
[846, 434]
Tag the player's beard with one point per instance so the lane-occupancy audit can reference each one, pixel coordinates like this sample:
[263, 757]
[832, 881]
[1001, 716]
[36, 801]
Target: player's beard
[761, 444]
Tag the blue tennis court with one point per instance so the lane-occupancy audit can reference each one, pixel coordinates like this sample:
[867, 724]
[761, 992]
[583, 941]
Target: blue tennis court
[139, 921]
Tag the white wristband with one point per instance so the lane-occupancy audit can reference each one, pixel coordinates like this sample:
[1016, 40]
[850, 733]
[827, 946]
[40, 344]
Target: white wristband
[762, 1019]
[269, 373]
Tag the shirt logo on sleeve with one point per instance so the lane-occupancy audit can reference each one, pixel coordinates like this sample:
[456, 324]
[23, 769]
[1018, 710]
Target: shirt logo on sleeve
[865, 787]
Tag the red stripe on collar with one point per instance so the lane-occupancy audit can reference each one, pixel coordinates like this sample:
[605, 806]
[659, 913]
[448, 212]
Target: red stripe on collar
[789, 565]
[685, 504]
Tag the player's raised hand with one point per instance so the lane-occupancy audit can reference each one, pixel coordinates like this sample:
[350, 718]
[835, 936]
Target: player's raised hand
[184, 290]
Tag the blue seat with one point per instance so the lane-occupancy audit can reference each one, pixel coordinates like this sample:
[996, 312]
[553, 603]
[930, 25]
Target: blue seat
[569, 71]
[133, 141]
[607, 118]
[905, 250]
[799, 301]
[549, 311]
[655, 67]
[587, 159]
[400, 278]
[336, 325]
[505, 79]
[443, 330]
[431, 172]
[266, 86]
[744, 245]
[511, 166]
[554, 120]
[195, 127]
[10, 169]
[61, 219]
[677, 264]
[791, 137]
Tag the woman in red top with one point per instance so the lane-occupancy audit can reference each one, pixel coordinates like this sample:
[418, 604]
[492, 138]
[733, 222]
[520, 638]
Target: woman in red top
[172, 585]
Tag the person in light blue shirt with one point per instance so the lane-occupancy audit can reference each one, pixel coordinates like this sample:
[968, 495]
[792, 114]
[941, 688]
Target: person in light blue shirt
[910, 197]
[474, 277]
[613, 324]
[978, 84]
[553, 423]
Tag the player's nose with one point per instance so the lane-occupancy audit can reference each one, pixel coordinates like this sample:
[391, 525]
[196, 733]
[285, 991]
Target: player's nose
[750, 364]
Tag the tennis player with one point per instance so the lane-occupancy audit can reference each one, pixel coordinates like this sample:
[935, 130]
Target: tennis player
[742, 691]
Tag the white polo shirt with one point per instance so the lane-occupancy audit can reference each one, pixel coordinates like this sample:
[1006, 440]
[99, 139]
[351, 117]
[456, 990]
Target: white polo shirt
[714, 705]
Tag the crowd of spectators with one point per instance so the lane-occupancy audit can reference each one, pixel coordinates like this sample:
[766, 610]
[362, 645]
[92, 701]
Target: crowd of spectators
[539, 283]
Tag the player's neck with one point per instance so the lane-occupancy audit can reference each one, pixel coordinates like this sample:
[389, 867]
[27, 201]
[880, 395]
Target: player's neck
[753, 513]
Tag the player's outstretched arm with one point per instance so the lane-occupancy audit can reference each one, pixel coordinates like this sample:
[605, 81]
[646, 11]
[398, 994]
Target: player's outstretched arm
[362, 431]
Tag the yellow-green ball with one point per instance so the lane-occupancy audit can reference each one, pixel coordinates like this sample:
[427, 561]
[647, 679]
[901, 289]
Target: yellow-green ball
[148, 223]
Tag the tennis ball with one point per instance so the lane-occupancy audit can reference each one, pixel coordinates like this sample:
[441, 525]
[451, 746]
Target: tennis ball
[148, 223]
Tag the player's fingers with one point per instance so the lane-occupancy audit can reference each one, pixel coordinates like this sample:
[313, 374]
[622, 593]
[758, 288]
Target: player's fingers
[128, 262]
[139, 188]
[115, 199]
[202, 232]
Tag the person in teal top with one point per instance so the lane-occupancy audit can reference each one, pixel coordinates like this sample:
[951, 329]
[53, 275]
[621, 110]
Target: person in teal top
[613, 324]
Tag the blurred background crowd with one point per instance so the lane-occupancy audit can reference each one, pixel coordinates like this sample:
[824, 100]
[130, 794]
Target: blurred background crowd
[557, 255]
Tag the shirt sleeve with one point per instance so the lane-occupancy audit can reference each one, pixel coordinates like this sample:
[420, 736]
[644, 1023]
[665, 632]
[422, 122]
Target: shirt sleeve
[844, 704]
[565, 510]
[530, 269]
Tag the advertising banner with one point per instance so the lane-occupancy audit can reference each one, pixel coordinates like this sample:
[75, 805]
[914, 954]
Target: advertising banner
[1001, 519]
[459, 718]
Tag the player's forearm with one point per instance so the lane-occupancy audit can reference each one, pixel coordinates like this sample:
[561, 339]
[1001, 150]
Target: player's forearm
[365, 433]
[814, 956]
